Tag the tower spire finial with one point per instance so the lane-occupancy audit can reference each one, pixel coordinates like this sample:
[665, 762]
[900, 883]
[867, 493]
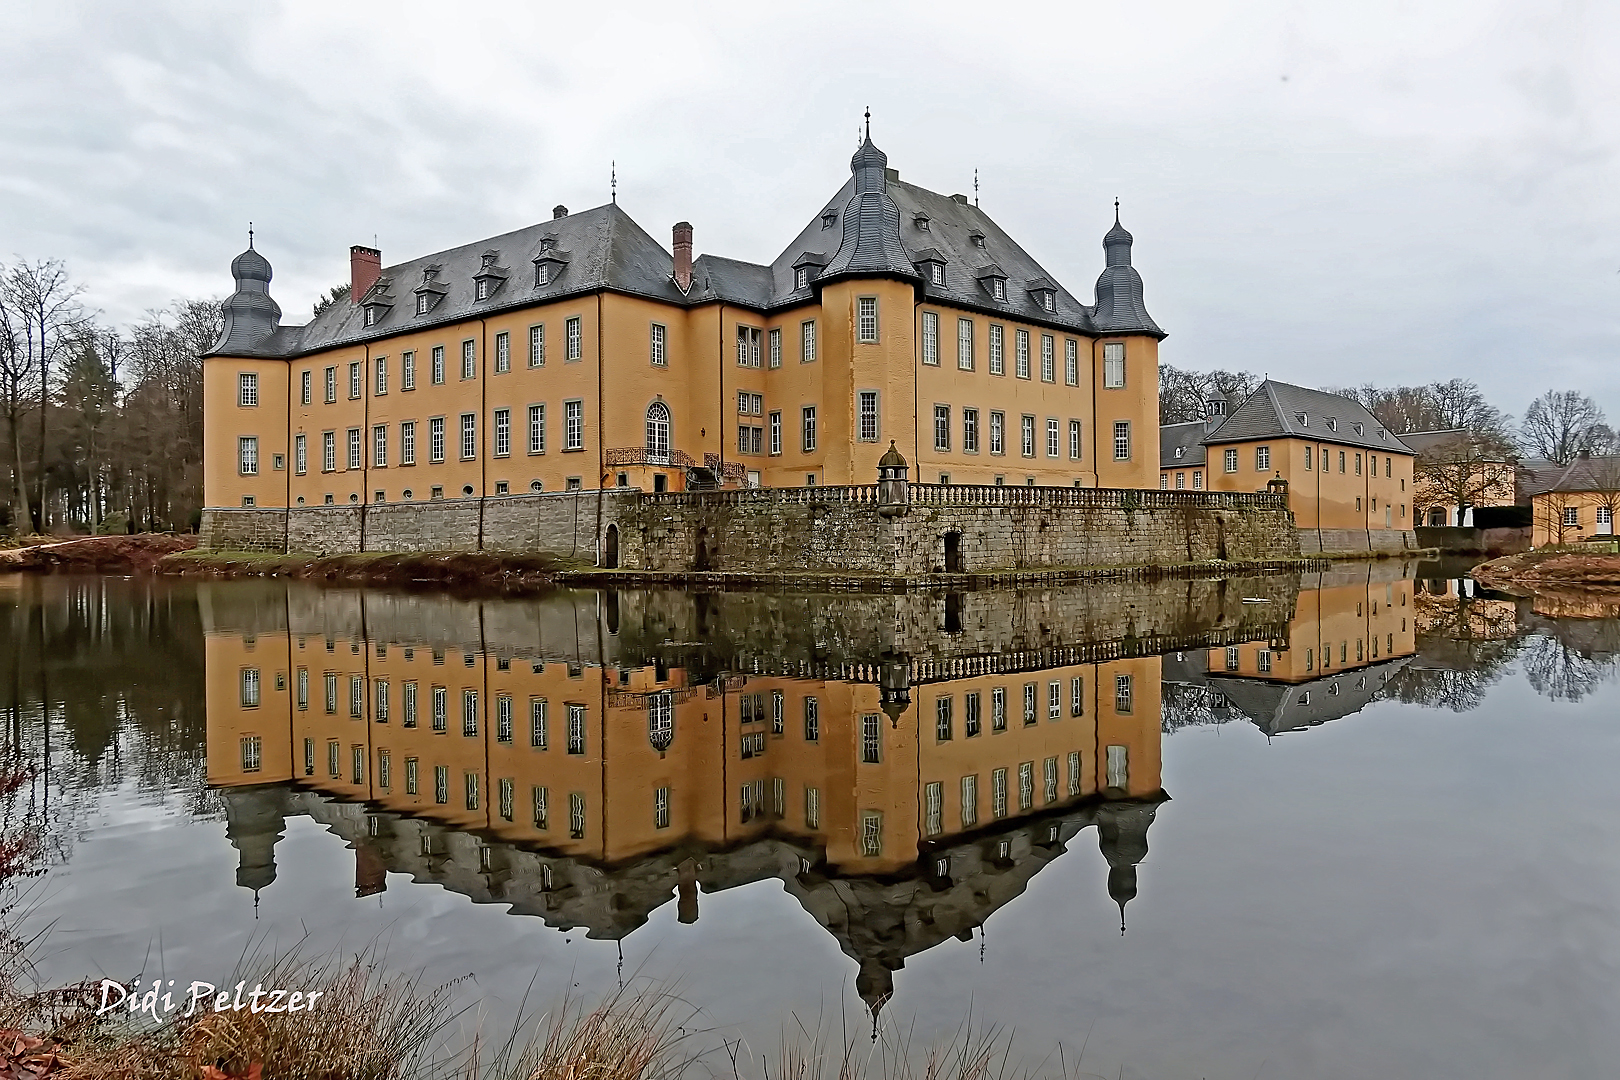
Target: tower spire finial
[975, 186]
[250, 236]
[613, 181]
[1116, 209]
[869, 123]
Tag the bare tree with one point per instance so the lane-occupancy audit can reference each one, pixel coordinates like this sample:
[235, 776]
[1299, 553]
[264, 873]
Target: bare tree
[16, 389]
[1560, 424]
[1183, 393]
[51, 319]
[1465, 469]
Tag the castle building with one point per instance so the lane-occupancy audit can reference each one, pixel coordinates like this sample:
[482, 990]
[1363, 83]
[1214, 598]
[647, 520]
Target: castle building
[896, 314]
[1348, 479]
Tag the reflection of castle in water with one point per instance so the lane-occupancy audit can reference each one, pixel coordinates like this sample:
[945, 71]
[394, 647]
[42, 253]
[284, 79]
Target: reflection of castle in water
[1353, 629]
[587, 759]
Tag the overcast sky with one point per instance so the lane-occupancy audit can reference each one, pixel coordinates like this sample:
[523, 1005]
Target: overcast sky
[1331, 193]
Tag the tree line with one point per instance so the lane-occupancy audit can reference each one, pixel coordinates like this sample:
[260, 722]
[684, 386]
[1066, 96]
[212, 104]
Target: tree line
[103, 424]
[1558, 426]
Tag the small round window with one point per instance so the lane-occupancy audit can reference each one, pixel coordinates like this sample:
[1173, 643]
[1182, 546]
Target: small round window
[536, 486]
[466, 489]
[407, 494]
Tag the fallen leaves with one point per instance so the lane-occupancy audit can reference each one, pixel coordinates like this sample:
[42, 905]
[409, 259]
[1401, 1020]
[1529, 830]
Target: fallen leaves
[27, 1058]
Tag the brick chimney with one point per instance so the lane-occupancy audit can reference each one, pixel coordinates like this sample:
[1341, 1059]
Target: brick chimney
[683, 254]
[365, 267]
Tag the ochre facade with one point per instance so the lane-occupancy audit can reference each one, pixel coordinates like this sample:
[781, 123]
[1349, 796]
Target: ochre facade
[614, 363]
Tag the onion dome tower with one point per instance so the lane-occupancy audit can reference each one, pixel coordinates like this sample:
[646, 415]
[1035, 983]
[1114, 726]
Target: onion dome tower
[871, 241]
[1120, 309]
[251, 316]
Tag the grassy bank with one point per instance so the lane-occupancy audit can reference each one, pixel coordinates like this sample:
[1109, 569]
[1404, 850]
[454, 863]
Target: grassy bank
[1564, 567]
[93, 554]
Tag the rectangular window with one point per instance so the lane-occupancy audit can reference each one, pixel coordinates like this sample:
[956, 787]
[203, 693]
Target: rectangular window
[1309, 456]
[354, 381]
[441, 709]
[1021, 353]
[411, 775]
[537, 345]
[808, 429]
[1077, 697]
[1341, 461]
[247, 455]
[930, 338]
[469, 713]
[331, 385]
[436, 365]
[998, 364]
[866, 320]
[1198, 479]
[408, 705]
[658, 346]
[542, 799]
[436, 439]
[661, 808]
[441, 784]
[970, 714]
[1262, 458]
[776, 433]
[380, 376]
[1054, 440]
[469, 359]
[1054, 700]
[1026, 436]
[812, 808]
[1114, 365]
[1029, 704]
[300, 454]
[334, 758]
[330, 682]
[868, 418]
[970, 801]
[309, 757]
[407, 442]
[354, 448]
[812, 720]
[1118, 766]
[944, 722]
[964, 344]
[1230, 461]
[871, 833]
[998, 793]
[1049, 774]
[1071, 362]
[379, 446]
[1074, 773]
[747, 346]
[1122, 440]
[575, 337]
[303, 688]
[1048, 359]
[357, 697]
[503, 352]
[576, 729]
[942, 428]
[379, 700]
[807, 341]
[871, 738]
[407, 370]
[970, 431]
[998, 424]
[1074, 440]
[933, 808]
[503, 718]
[250, 688]
[469, 436]
[998, 709]
[1026, 784]
[304, 379]
[1122, 694]
[538, 735]
[775, 347]
[247, 389]
[503, 432]
[573, 425]
[1572, 515]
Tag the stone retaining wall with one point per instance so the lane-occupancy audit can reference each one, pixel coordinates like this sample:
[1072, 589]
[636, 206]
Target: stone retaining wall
[1317, 541]
[991, 530]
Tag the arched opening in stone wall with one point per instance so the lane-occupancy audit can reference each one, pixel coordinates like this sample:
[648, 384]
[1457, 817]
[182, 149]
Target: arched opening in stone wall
[701, 558]
[953, 613]
[954, 563]
[610, 548]
[612, 605]
[1437, 517]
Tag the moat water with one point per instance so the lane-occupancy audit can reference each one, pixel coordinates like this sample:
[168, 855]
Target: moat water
[1353, 824]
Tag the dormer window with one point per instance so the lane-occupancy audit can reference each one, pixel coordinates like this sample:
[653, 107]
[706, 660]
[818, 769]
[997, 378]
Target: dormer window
[1180, 450]
[998, 288]
[1333, 423]
[801, 278]
[1301, 420]
[482, 288]
[977, 238]
[371, 316]
[542, 274]
[829, 218]
[1049, 300]
[936, 273]
[423, 302]
[920, 220]
[1357, 428]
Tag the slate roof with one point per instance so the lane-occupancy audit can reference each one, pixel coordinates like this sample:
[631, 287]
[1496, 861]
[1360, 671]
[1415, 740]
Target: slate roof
[1277, 707]
[1274, 411]
[1595, 473]
[872, 226]
[1189, 439]
[1536, 476]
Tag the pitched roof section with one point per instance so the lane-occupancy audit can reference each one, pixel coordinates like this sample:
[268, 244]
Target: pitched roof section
[604, 248]
[1277, 707]
[1186, 438]
[1282, 410]
[1595, 473]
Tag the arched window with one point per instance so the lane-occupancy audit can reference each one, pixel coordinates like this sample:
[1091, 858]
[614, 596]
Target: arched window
[658, 433]
[661, 720]
[1438, 516]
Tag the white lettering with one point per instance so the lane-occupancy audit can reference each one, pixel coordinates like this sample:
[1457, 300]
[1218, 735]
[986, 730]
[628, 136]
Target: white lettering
[197, 995]
[275, 996]
[310, 1000]
[293, 1000]
[107, 985]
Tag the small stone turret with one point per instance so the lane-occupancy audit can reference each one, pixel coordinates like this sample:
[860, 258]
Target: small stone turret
[894, 491]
